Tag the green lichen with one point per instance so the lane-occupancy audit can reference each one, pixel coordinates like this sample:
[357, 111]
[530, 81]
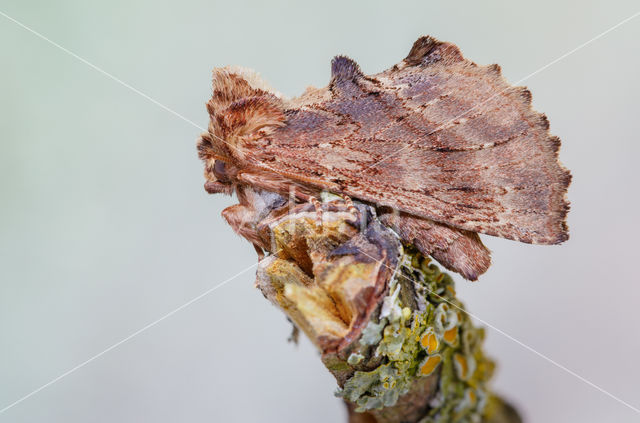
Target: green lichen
[455, 352]
[372, 333]
[355, 359]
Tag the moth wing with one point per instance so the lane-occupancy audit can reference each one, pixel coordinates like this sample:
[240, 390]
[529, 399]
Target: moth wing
[436, 136]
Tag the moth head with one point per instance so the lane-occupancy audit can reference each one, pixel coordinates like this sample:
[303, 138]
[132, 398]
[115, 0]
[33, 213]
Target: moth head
[219, 177]
[242, 109]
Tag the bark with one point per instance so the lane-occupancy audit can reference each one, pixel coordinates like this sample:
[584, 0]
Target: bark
[385, 319]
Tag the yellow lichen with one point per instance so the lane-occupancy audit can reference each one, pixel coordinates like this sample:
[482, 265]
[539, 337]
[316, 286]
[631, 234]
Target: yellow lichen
[451, 290]
[429, 341]
[430, 364]
[461, 366]
[406, 313]
[451, 336]
[465, 366]
[473, 397]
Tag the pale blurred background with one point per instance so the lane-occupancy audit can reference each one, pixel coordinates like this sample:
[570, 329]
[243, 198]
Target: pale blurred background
[105, 227]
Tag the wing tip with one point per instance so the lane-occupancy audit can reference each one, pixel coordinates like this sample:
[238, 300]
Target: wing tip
[565, 181]
[466, 255]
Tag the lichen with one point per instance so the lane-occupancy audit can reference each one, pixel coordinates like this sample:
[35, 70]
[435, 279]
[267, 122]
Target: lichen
[355, 358]
[372, 333]
[385, 319]
[438, 337]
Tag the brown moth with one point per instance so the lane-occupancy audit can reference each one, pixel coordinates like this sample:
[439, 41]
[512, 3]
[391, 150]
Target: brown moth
[442, 147]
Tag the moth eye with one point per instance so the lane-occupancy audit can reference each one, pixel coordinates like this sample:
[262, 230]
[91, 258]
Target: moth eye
[219, 169]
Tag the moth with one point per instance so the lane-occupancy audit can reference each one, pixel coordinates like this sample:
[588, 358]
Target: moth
[443, 148]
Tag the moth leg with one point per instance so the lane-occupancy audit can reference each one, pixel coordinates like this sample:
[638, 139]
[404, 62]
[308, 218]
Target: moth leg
[241, 219]
[278, 184]
[457, 250]
[353, 210]
[260, 251]
[349, 203]
[319, 212]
